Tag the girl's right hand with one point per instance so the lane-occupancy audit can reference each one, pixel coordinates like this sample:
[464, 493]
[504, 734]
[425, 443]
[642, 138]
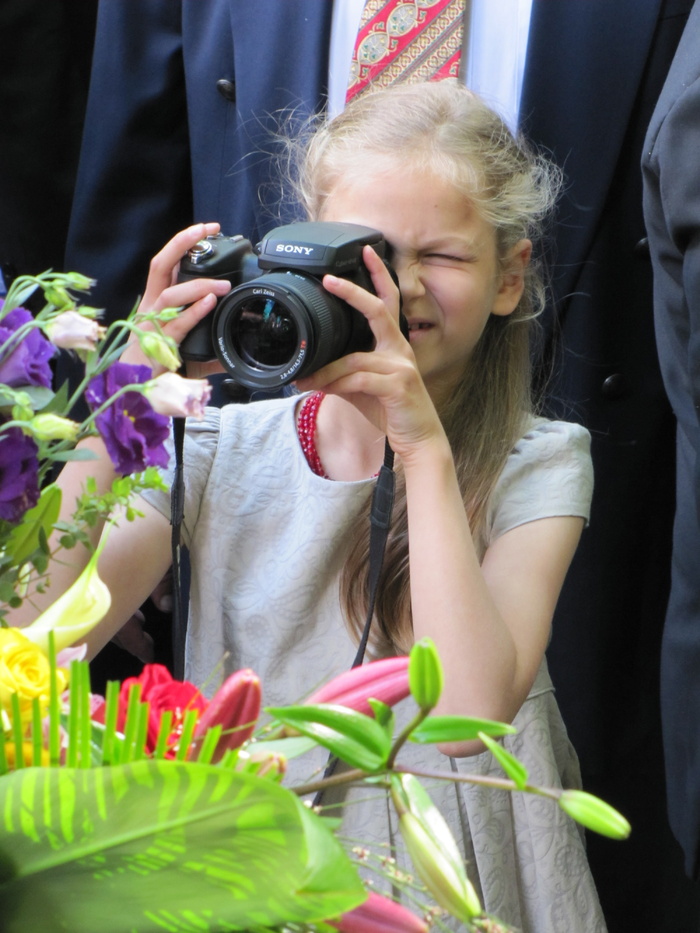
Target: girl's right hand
[197, 296]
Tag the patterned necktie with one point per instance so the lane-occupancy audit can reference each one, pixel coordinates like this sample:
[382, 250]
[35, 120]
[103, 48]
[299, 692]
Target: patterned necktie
[406, 40]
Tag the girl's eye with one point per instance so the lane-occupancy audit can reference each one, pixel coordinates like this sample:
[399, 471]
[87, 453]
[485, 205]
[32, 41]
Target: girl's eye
[445, 257]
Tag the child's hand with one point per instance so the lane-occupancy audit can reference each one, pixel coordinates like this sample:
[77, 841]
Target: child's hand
[384, 384]
[197, 297]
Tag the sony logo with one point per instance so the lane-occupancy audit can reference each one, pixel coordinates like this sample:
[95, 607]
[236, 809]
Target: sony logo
[294, 248]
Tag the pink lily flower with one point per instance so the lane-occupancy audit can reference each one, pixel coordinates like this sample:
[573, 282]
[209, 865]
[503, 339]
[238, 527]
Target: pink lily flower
[235, 707]
[385, 680]
[379, 914]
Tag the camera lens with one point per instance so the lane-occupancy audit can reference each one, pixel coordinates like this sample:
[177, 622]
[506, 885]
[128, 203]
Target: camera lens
[283, 325]
[264, 334]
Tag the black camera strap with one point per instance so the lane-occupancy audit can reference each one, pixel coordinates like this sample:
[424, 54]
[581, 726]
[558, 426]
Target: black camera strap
[177, 512]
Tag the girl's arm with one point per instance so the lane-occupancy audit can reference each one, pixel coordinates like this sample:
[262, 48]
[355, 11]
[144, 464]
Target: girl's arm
[490, 622]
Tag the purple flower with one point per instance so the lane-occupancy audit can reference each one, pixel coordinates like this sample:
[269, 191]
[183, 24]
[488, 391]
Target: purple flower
[133, 432]
[28, 363]
[19, 474]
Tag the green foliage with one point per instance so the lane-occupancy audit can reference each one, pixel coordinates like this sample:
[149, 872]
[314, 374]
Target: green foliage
[194, 847]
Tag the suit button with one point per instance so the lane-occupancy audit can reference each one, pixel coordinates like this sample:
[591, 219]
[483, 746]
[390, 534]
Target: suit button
[614, 386]
[227, 89]
[642, 248]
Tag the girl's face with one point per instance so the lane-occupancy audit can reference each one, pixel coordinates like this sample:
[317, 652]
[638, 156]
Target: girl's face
[444, 254]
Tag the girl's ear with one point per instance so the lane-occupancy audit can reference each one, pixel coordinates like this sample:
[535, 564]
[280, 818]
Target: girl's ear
[512, 279]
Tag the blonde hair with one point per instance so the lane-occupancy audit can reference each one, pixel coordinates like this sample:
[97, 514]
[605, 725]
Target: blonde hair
[444, 129]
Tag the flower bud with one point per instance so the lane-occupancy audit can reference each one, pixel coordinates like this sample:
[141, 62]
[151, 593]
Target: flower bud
[385, 680]
[425, 674]
[379, 914]
[74, 331]
[235, 707]
[48, 427]
[446, 882]
[171, 395]
[160, 349]
[594, 813]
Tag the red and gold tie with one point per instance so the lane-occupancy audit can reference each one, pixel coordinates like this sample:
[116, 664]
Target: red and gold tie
[406, 40]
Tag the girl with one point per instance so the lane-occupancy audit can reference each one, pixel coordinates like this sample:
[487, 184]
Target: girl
[491, 501]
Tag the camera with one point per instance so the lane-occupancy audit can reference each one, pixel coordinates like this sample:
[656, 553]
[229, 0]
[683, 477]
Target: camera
[278, 323]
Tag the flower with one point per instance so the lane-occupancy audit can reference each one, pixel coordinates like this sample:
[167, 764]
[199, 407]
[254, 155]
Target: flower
[160, 349]
[133, 432]
[24, 670]
[74, 331]
[27, 362]
[171, 395]
[385, 680]
[48, 427]
[19, 474]
[235, 707]
[379, 914]
[74, 614]
[161, 692]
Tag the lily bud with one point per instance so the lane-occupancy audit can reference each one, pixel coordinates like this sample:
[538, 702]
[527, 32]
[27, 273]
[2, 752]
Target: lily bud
[446, 883]
[171, 395]
[385, 680]
[425, 674]
[379, 914]
[235, 707]
[48, 427]
[74, 331]
[160, 349]
[594, 813]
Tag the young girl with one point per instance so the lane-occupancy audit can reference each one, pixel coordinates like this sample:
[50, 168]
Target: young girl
[491, 499]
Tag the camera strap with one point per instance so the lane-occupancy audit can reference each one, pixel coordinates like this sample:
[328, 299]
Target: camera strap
[177, 512]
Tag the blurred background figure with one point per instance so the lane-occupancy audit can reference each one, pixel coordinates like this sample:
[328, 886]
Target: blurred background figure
[672, 212]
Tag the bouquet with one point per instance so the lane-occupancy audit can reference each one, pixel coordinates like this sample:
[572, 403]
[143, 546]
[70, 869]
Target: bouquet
[152, 808]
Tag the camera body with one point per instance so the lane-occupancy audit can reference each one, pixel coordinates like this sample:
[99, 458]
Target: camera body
[278, 323]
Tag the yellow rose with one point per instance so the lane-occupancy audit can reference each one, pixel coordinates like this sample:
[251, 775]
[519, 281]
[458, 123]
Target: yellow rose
[25, 670]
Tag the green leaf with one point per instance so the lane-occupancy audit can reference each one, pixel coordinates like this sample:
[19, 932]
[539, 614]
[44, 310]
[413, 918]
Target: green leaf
[40, 396]
[456, 729]
[515, 769]
[25, 537]
[353, 737]
[290, 747]
[59, 402]
[163, 845]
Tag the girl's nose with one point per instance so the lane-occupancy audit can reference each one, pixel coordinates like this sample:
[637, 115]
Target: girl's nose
[410, 281]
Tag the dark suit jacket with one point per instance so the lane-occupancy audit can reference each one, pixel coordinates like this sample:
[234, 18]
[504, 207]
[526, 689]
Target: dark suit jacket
[672, 209]
[180, 121]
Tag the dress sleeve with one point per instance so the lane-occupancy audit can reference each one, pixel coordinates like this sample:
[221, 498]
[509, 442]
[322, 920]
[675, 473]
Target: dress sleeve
[548, 473]
[201, 444]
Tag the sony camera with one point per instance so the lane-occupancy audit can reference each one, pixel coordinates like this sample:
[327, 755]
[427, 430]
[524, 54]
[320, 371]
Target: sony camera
[278, 323]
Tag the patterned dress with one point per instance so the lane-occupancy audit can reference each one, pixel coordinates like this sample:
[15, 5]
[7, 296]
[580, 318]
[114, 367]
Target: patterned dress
[268, 538]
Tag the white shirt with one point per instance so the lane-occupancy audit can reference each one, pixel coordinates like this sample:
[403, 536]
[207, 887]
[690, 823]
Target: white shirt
[496, 47]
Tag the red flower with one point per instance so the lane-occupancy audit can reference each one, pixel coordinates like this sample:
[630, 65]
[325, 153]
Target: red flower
[162, 693]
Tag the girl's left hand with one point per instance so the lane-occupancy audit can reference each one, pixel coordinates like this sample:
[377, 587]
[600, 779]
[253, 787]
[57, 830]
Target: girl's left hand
[384, 383]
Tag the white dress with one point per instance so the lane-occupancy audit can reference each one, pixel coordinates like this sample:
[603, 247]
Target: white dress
[267, 540]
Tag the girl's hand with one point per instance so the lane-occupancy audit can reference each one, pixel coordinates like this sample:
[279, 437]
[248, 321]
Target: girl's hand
[384, 384]
[197, 296]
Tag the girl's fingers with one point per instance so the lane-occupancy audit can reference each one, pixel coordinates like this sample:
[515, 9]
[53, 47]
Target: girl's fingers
[164, 265]
[186, 293]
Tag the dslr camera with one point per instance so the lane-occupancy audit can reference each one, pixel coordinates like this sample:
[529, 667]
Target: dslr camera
[278, 323]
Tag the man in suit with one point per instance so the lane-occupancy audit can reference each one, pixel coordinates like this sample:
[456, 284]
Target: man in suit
[201, 79]
[671, 166]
